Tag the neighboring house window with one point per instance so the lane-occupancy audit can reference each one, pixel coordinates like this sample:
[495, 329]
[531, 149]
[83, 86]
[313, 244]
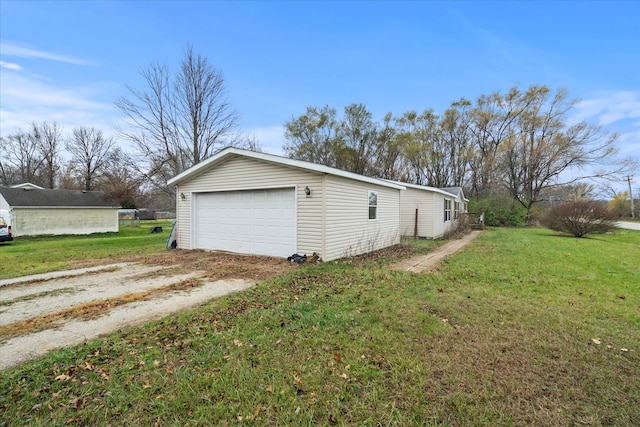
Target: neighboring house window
[456, 210]
[447, 210]
[373, 204]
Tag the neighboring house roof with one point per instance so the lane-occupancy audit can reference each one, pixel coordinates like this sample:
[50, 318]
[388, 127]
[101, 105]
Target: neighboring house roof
[231, 152]
[25, 197]
[27, 185]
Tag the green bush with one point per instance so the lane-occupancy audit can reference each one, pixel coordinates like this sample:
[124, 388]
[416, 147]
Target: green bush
[499, 211]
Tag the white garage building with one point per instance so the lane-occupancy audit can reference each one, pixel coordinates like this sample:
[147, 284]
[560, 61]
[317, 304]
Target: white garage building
[255, 203]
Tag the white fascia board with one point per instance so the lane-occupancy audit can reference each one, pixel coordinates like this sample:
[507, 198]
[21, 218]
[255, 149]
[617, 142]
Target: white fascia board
[424, 188]
[193, 171]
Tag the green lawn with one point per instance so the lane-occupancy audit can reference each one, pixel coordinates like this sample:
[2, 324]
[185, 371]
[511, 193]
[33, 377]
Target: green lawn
[523, 328]
[32, 255]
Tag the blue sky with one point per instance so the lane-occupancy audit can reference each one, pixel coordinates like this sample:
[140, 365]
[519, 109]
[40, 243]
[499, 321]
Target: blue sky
[69, 61]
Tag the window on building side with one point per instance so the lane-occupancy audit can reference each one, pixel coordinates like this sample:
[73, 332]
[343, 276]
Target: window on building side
[373, 204]
[447, 210]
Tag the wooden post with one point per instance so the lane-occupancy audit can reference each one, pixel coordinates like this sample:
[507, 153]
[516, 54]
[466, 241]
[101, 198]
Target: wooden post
[633, 215]
[415, 227]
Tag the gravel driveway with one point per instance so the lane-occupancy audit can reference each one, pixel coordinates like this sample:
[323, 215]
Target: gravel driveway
[28, 300]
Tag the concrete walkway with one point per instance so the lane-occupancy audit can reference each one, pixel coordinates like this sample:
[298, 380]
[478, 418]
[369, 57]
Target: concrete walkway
[420, 263]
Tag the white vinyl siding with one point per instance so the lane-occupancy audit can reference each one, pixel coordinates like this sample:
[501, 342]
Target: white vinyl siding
[432, 222]
[241, 173]
[55, 221]
[348, 228]
[333, 221]
[373, 204]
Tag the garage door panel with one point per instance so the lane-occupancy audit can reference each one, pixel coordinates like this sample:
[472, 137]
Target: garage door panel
[254, 221]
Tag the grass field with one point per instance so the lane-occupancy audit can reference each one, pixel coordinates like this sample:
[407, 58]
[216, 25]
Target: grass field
[41, 254]
[522, 328]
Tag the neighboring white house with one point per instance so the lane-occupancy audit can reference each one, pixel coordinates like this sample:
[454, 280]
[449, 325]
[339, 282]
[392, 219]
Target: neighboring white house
[255, 203]
[38, 211]
[428, 212]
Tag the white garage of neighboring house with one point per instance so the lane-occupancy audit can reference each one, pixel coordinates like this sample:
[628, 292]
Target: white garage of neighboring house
[38, 211]
[255, 203]
[428, 212]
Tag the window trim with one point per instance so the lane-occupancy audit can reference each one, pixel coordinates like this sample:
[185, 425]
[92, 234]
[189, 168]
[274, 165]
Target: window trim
[373, 206]
[447, 210]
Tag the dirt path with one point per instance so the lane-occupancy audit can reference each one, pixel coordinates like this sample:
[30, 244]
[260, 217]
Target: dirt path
[427, 262]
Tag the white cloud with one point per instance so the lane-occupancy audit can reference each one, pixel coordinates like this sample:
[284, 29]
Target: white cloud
[610, 107]
[10, 49]
[10, 66]
[26, 100]
[629, 143]
[615, 111]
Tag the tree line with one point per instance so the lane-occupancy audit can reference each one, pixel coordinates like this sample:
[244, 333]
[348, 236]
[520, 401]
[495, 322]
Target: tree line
[94, 161]
[521, 143]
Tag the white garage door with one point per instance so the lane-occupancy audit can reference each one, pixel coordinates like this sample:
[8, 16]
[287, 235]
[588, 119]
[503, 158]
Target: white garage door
[258, 222]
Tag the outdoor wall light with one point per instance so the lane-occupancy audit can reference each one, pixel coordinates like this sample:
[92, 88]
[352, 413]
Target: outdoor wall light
[307, 191]
[183, 197]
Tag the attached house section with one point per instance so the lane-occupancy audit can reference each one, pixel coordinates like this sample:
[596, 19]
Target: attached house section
[428, 212]
[256, 203]
[362, 217]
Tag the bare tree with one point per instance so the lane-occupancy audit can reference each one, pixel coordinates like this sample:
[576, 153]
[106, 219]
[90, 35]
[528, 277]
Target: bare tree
[91, 152]
[358, 132]
[388, 162]
[48, 140]
[22, 160]
[456, 142]
[542, 146]
[313, 137]
[176, 123]
[7, 170]
[120, 182]
[416, 133]
[492, 119]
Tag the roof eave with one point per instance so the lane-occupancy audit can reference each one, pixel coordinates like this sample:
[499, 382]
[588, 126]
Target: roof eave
[200, 167]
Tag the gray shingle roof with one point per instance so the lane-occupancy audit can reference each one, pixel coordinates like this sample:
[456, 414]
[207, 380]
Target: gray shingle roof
[19, 197]
[453, 190]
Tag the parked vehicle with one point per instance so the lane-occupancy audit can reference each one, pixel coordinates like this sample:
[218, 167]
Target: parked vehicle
[5, 230]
